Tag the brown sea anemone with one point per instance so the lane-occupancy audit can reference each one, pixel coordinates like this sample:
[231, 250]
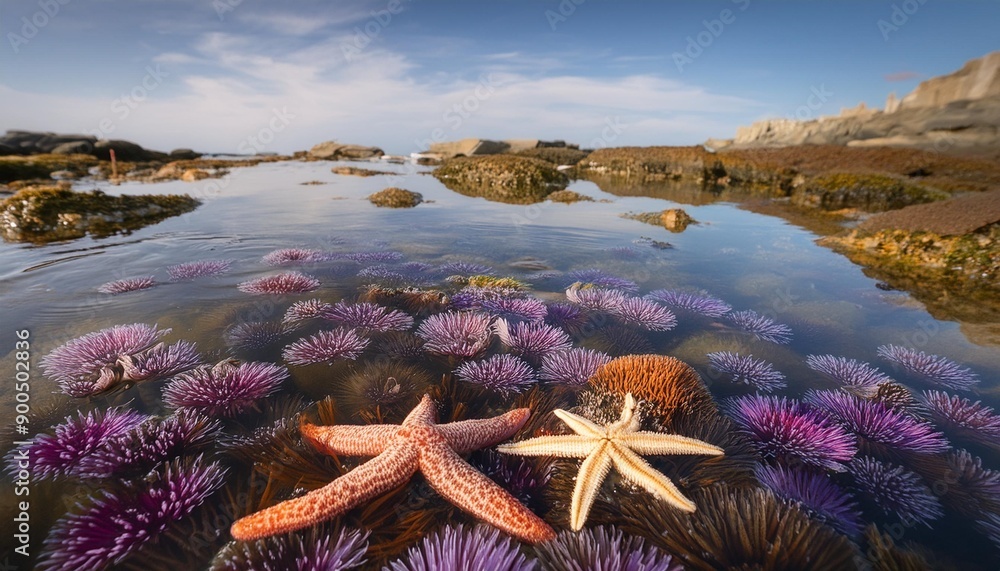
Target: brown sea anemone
[667, 382]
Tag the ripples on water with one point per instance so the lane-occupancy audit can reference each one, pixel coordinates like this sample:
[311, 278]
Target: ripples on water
[751, 261]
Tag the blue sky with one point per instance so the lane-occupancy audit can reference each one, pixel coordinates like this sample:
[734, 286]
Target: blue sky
[228, 75]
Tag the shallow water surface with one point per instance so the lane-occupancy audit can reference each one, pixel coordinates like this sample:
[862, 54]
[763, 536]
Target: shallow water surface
[751, 261]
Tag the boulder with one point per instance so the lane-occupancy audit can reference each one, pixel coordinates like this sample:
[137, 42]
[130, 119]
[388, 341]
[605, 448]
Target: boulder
[124, 151]
[676, 220]
[332, 150]
[393, 197]
[74, 148]
[183, 154]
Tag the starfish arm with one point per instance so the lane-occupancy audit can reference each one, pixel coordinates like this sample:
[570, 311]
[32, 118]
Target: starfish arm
[581, 425]
[469, 435]
[423, 413]
[470, 490]
[592, 472]
[639, 472]
[382, 473]
[645, 443]
[563, 446]
[350, 440]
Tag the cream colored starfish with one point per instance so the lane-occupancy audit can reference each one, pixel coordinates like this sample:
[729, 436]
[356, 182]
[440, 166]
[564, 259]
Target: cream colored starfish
[618, 444]
[419, 443]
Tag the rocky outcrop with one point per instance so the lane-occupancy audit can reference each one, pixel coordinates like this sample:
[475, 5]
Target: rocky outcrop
[35, 143]
[502, 178]
[958, 111]
[478, 147]
[334, 151]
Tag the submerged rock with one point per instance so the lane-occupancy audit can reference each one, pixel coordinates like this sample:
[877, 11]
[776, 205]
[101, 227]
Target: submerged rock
[502, 178]
[357, 171]
[673, 219]
[393, 197]
[40, 167]
[868, 192]
[568, 196]
[49, 213]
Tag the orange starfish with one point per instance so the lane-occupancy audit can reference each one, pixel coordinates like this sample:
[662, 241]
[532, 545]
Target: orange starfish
[419, 443]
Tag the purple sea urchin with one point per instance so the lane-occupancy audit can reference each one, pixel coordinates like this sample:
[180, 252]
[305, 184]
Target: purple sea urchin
[565, 315]
[325, 346]
[849, 372]
[127, 285]
[477, 548]
[933, 368]
[696, 302]
[317, 551]
[465, 269]
[368, 316]
[879, 423]
[531, 340]
[603, 549]
[293, 256]
[646, 314]
[76, 364]
[574, 366]
[761, 327]
[224, 390]
[601, 279]
[817, 493]
[60, 454]
[783, 428]
[968, 419]
[254, 335]
[159, 361]
[287, 282]
[115, 524]
[460, 334]
[745, 369]
[515, 308]
[596, 299]
[192, 270]
[383, 276]
[896, 490]
[373, 257]
[504, 374]
[307, 309]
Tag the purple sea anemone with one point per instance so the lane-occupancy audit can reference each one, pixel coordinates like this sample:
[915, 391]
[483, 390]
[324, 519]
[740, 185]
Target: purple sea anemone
[325, 346]
[114, 524]
[460, 334]
[293, 256]
[646, 314]
[603, 549]
[159, 361]
[857, 374]
[896, 490]
[127, 285]
[479, 548]
[565, 315]
[971, 420]
[596, 299]
[503, 374]
[573, 367]
[60, 454]
[465, 269]
[288, 282]
[368, 316]
[153, 441]
[745, 369]
[817, 493]
[83, 358]
[695, 302]
[372, 257]
[304, 310]
[317, 551]
[514, 308]
[254, 335]
[935, 369]
[876, 422]
[225, 389]
[192, 270]
[531, 340]
[601, 279]
[761, 327]
[785, 428]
